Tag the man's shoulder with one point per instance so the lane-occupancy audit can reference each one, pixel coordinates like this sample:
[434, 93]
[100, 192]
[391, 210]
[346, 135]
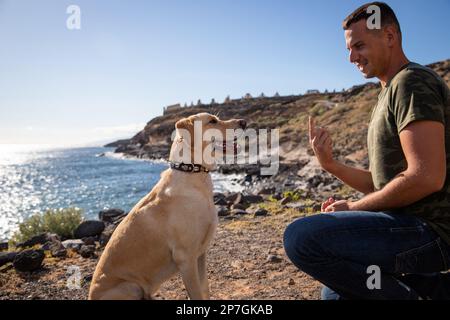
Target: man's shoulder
[416, 74]
[416, 77]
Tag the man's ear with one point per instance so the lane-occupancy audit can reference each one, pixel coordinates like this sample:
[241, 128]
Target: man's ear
[185, 123]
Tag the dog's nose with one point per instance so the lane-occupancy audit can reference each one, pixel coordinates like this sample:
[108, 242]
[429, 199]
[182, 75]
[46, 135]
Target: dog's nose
[242, 124]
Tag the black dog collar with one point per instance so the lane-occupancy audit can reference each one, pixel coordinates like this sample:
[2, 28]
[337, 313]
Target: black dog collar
[187, 167]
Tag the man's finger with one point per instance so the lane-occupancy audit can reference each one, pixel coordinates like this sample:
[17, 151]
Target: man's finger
[312, 128]
[321, 136]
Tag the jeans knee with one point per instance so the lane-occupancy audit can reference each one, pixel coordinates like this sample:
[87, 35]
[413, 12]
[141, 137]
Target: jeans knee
[298, 241]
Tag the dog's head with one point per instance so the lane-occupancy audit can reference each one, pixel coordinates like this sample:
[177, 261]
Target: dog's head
[203, 134]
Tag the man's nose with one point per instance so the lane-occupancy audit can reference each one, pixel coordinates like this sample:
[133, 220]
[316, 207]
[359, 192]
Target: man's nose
[353, 56]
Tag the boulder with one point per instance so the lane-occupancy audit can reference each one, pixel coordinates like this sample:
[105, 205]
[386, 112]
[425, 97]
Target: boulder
[28, 260]
[260, 212]
[87, 251]
[221, 202]
[89, 241]
[89, 228]
[238, 206]
[110, 215]
[250, 199]
[234, 198]
[285, 200]
[4, 246]
[39, 239]
[74, 244]
[106, 235]
[56, 248]
[218, 195]
[238, 212]
[7, 257]
[222, 211]
[277, 196]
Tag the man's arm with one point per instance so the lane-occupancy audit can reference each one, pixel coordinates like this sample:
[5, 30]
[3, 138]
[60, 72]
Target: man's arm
[423, 144]
[358, 179]
[321, 144]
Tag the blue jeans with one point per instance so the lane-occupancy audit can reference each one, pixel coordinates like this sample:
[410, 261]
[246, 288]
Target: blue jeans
[340, 249]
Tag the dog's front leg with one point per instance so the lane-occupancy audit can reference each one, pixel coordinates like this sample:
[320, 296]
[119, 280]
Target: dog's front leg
[188, 266]
[203, 275]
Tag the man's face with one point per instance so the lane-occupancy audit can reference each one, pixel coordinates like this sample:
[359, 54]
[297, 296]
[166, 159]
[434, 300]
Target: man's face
[368, 49]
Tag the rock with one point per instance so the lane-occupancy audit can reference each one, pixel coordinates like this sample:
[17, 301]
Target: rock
[296, 205]
[7, 257]
[336, 185]
[285, 200]
[250, 199]
[106, 235]
[273, 258]
[89, 241]
[110, 215]
[221, 202]
[4, 246]
[87, 251]
[238, 212]
[234, 198]
[260, 212]
[74, 244]
[223, 211]
[88, 278]
[39, 239]
[218, 195]
[238, 206]
[56, 248]
[277, 196]
[266, 191]
[89, 228]
[28, 260]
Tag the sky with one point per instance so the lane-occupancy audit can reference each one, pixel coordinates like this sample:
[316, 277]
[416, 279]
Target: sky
[129, 59]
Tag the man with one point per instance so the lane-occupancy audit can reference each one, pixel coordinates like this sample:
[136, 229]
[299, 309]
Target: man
[394, 242]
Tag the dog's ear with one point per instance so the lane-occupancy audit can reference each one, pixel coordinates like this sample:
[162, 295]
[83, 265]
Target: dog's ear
[185, 123]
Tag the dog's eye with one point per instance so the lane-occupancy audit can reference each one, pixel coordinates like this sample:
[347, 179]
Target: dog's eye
[213, 121]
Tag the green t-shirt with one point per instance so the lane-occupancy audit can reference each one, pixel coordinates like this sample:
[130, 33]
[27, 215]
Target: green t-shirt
[415, 93]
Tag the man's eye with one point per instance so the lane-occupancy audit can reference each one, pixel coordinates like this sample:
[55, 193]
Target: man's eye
[213, 121]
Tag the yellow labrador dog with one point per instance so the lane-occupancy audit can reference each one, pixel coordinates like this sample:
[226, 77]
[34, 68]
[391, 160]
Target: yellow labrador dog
[170, 229]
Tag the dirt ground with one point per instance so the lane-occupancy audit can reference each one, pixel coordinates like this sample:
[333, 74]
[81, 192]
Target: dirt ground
[246, 261]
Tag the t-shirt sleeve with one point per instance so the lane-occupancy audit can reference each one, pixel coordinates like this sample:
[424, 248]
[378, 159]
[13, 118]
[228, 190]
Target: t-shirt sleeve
[416, 96]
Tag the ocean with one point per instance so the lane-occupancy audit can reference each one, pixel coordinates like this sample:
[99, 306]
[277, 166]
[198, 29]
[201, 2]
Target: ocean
[36, 178]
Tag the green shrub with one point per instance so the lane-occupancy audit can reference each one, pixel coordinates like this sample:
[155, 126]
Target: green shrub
[295, 195]
[63, 222]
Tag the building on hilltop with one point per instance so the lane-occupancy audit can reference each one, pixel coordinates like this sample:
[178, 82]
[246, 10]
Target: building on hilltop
[172, 108]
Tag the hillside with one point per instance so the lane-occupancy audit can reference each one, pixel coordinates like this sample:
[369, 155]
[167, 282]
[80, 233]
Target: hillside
[345, 114]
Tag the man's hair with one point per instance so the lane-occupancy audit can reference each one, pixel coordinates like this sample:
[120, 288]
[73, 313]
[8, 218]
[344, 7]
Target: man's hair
[388, 16]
